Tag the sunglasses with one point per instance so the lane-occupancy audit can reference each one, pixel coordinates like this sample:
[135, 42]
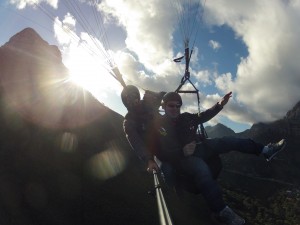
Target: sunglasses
[132, 97]
[174, 106]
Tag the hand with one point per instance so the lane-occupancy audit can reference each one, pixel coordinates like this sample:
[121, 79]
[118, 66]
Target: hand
[152, 166]
[225, 99]
[189, 148]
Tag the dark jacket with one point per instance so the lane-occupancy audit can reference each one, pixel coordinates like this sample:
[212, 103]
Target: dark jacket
[137, 124]
[169, 136]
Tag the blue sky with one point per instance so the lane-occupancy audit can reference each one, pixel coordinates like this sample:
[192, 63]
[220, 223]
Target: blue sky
[248, 47]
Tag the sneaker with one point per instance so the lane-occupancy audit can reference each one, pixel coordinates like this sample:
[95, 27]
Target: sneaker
[274, 149]
[228, 217]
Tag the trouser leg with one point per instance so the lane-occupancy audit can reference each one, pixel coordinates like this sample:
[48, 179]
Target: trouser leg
[170, 177]
[216, 146]
[199, 173]
[169, 174]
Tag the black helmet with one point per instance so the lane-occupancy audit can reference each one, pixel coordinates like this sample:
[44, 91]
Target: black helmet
[129, 92]
[171, 96]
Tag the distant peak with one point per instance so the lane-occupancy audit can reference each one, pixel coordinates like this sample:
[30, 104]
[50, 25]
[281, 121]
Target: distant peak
[27, 35]
[28, 30]
[30, 41]
[294, 113]
[219, 130]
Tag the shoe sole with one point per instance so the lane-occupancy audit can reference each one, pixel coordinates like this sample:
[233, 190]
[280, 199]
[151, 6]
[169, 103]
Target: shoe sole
[272, 156]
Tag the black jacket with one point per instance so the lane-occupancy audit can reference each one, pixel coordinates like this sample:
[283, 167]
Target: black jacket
[137, 123]
[169, 136]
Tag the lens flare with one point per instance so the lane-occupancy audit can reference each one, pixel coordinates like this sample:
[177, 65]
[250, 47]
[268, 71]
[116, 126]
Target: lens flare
[107, 164]
[69, 142]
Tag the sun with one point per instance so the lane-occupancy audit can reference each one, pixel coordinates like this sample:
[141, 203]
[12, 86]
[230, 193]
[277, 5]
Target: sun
[90, 74]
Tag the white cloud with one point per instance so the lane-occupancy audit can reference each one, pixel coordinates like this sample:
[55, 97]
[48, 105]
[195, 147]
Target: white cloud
[149, 28]
[69, 21]
[203, 77]
[21, 4]
[65, 30]
[268, 80]
[224, 82]
[214, 45]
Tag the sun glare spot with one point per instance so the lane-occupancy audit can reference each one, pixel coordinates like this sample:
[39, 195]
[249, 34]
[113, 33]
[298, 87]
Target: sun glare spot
[90, 73]
[68, 142]
[107, 164]
[87, 74]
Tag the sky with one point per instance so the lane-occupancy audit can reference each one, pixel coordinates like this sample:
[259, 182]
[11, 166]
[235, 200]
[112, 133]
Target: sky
[248, 47]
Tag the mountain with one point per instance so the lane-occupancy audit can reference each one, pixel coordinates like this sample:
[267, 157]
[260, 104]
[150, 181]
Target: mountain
[219, 130]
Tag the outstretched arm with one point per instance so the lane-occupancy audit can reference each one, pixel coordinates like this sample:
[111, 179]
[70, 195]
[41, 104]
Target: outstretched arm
[213, 111]
[225, 99]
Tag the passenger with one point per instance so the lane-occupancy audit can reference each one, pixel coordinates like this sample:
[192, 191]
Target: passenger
[174, 143]
[136, 123]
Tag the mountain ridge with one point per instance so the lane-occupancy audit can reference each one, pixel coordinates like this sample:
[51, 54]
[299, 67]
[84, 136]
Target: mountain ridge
[288, 126]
